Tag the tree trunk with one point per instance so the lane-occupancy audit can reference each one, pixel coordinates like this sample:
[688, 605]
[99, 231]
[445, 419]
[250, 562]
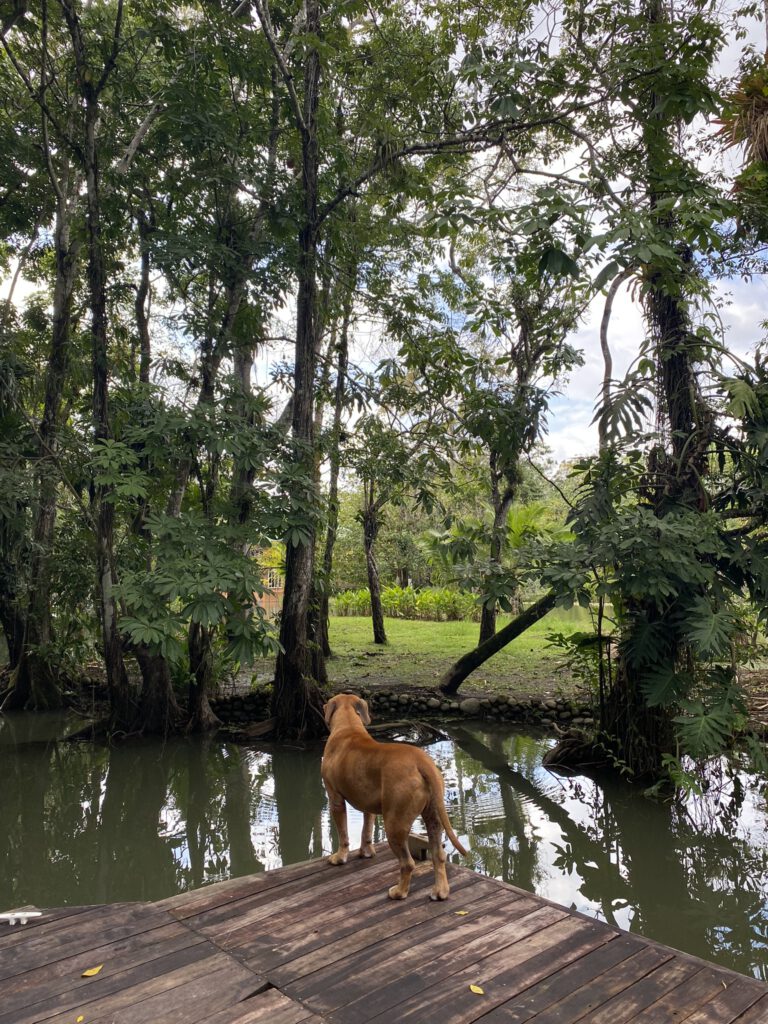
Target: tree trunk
[34, 684]
[91, 85]
[13, 628]
[502, 502]
[201, 716]
[633, 735]
[158, 711]
[458, 672]
[122, 711]
[370, 532]
[141, 306]
[296, 699]
[333, 483]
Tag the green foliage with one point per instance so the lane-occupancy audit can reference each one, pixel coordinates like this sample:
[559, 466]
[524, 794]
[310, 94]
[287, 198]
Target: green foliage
[432, 604]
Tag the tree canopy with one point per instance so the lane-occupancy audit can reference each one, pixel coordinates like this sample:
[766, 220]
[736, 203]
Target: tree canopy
[417, 206]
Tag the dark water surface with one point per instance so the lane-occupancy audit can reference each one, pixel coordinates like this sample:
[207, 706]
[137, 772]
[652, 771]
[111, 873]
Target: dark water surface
[88, 824]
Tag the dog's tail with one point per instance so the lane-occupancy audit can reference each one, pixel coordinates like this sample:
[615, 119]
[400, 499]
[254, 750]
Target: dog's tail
[435, 781]
[448, 830]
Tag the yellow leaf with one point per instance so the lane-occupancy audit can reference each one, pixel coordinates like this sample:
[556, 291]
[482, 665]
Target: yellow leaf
[477, 990]
[91, 972]
[78, 1019]
[461, 913]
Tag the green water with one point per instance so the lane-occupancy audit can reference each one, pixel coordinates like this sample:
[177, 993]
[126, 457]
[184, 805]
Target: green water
[89, 824]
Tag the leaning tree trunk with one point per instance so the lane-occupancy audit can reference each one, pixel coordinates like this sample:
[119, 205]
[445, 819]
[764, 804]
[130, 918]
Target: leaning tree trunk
[296, 699]
[467, 663]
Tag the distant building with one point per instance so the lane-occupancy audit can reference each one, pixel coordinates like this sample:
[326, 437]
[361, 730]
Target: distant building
[271, 602]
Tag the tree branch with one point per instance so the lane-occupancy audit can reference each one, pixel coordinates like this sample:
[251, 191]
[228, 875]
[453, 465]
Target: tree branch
[131, 149]
[112, 59]
[602, 423]
[262, 10]
[476, 140]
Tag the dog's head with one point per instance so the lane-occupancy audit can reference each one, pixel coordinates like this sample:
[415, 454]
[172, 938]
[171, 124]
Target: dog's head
[350, 701]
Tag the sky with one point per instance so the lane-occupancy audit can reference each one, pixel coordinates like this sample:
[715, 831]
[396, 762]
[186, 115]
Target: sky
[571, 433]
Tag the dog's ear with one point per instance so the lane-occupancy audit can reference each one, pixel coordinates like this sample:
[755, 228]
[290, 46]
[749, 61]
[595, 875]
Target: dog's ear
[328, 710]
[362, 709]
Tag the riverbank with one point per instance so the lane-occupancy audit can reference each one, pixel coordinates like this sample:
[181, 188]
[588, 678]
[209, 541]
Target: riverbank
[528, 682]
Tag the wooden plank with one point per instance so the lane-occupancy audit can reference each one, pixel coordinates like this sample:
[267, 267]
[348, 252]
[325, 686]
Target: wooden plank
[269, 1007]
[50, 923]
[592, 991]
[293, 894]
[577, 976]
[197, 998]
[199, 901]
[236, 929]
[729, 1004]
[195, 901]
[343, 911]
[49, 979]
[296, 958]
[342, 953]
[629, 1003]
[282, 946]
[756, 1014]
[157, 975]
[328, 989]
[684, 999]
[502, 978]
[84, 933]
[385, 986]
[13, 933]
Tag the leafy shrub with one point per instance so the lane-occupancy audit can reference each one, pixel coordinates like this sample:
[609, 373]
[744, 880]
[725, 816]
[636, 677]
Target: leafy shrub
[432, 604]
[351, 602]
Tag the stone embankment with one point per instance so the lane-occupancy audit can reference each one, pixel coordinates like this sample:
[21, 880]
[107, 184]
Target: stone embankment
[546, 712]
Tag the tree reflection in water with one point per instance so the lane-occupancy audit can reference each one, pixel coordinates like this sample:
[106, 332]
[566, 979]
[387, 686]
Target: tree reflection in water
[693, 875]
[88, 824]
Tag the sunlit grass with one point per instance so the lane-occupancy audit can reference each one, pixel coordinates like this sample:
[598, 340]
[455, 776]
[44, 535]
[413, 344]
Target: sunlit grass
[418, 653]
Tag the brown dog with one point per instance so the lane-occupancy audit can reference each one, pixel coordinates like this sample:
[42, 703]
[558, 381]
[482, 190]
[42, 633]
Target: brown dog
[396, 780]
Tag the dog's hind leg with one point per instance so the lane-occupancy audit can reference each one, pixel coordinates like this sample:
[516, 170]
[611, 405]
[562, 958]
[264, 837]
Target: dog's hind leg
[338, 807]
[431, 819]
[397, 837]
[366, 840]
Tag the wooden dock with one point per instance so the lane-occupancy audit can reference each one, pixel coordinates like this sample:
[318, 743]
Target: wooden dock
[309, 944]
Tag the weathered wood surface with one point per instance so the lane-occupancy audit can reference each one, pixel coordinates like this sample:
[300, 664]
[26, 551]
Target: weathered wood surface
[310, 944]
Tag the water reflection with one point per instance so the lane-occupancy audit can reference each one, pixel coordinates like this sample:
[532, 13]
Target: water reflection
[86, 824]
[693, 876]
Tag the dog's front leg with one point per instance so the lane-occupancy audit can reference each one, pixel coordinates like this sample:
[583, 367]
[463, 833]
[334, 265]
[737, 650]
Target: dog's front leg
[366, 840]
[339, 814]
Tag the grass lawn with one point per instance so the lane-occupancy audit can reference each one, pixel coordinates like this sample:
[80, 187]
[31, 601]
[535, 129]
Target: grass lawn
[418, 653]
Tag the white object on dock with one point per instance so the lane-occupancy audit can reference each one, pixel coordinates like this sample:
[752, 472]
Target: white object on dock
[19, 916]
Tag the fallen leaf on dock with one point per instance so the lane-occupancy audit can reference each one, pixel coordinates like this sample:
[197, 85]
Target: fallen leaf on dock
[91, 972]
[461, 913]
[477, 990]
